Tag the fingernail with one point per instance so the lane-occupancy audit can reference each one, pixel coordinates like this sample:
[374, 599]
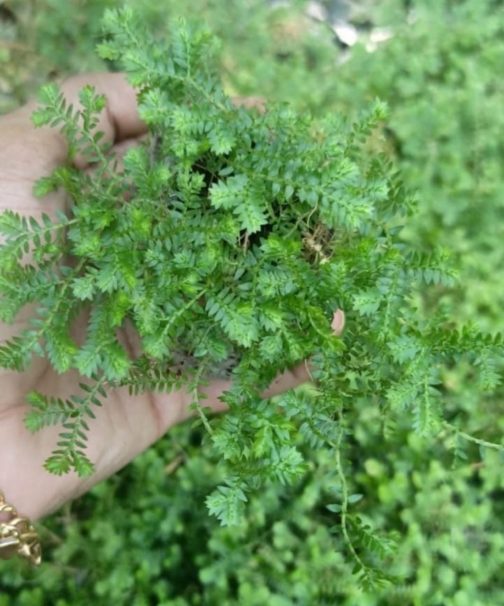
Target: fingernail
[338, 322]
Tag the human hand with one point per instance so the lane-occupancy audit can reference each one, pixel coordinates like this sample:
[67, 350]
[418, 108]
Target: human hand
[125, 425]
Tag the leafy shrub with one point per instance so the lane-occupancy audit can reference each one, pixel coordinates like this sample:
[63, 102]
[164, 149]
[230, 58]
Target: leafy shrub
[445, 508]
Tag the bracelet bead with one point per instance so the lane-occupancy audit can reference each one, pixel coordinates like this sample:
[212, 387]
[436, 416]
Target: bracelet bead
[17, 535]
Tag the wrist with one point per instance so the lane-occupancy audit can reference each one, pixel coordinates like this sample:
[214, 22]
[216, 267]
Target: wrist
[17, 535]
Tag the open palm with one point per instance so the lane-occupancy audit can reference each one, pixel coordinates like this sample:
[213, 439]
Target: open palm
[126, 424]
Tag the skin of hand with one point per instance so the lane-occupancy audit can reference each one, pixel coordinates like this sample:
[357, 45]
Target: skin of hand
[125, 425]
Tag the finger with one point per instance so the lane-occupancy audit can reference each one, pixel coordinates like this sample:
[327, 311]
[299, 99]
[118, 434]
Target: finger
[288, 380]
[117, 153]
[38, 151]
[291, 378]
[338, 322]
[302, 373]
[121, 149]
[120, 120]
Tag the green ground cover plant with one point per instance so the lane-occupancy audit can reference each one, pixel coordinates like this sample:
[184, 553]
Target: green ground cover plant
[440, 78]
[440, 496]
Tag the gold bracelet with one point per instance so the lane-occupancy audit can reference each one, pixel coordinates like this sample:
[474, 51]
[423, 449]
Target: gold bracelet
[18, 536]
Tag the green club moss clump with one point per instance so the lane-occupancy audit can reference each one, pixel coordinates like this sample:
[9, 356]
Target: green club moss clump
[228, 239]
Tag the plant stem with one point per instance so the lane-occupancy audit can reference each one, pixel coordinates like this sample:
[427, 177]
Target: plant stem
[344, 493]
[196, 400]
[473, 439]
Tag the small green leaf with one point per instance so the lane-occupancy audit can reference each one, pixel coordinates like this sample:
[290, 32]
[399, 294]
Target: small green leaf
[227, 504]
[355, 498]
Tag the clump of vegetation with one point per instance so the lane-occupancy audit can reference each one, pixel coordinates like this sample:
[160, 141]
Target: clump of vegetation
[229, 239]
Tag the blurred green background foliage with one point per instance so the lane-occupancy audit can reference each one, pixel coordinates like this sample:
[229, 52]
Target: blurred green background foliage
[145, 537]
